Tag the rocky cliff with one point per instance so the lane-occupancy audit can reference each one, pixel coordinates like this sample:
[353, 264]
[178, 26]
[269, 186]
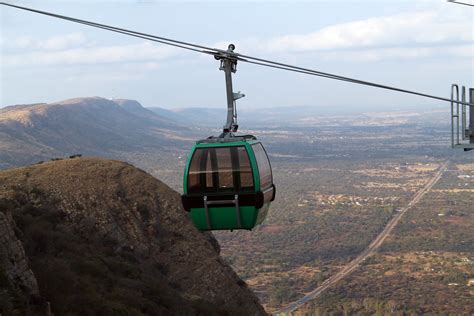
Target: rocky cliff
[91, 236]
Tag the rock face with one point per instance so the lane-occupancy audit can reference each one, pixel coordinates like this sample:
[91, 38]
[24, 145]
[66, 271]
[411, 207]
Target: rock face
[13, 258]
[17, 281]
[103, 237]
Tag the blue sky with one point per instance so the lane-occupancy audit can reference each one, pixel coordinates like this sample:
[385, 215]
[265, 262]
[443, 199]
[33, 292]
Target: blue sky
[423, 45]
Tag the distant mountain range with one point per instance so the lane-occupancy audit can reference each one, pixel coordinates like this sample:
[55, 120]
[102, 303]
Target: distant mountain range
[291, 116]
[93, 126]
[106, 127]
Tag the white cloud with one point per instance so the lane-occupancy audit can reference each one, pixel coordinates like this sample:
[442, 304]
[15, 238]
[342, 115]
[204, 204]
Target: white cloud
[98, 77]
[403, 29]
[59, 42]
[408, 35]
[463, 51]
[93, 55]
[399, 53]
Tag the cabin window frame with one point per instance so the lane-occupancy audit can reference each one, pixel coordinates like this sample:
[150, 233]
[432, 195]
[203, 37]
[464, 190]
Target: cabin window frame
[259, 155]
[236, 170]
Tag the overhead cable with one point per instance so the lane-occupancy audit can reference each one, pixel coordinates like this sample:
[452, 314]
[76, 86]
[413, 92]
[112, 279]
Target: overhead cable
[463, 3]
[241, 57]
[158, 39]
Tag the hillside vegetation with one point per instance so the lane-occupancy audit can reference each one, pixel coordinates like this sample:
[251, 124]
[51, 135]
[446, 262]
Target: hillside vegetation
[425, 267]
[100, 237]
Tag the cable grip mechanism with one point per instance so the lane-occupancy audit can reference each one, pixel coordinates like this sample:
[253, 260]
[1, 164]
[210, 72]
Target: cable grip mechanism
[228, 63]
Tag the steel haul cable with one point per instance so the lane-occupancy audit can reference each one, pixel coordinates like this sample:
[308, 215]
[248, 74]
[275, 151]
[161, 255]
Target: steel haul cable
[462, 3]
[240, 57]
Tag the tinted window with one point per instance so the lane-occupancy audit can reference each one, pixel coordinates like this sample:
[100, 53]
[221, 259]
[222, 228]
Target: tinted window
[220, 169]
[194, 174]
[264, 167]
[246, 175]
[224, 165]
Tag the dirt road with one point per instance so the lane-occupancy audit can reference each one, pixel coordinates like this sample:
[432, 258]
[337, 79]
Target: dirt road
[374, 245]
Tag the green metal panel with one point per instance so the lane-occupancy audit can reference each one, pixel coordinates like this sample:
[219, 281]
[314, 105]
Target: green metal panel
[225, 218]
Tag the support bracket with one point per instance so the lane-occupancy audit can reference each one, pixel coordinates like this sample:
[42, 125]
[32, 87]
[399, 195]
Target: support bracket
[229, 66]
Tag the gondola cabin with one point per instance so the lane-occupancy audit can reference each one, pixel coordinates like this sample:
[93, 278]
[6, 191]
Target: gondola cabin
[228, 183]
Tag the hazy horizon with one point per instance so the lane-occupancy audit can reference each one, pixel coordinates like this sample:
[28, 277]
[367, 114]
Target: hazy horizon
[252, 108]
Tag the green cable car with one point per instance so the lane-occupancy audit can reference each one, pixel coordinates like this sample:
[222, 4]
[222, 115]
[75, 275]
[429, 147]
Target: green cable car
[228, 183]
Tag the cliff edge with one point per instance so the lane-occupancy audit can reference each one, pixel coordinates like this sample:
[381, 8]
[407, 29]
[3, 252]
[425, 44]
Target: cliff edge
[93, 236]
